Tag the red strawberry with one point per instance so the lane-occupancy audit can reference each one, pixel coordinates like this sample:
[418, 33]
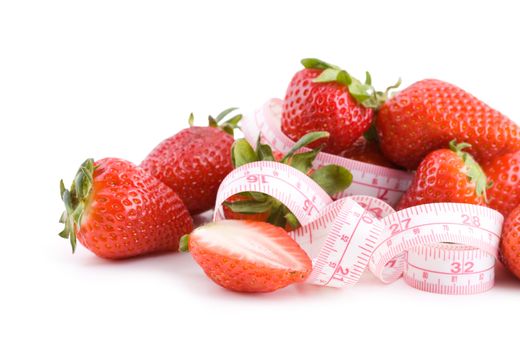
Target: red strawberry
[118, 210]
[447, 175]
[504, 175]
[194, 161]
[248, 256]
[324, 97]
[428, 114]
[510, 242]
[262, 207]
[367, 151]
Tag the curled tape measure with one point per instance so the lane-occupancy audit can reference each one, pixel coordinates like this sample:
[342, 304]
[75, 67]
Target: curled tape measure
[373, 180]
[346, 236]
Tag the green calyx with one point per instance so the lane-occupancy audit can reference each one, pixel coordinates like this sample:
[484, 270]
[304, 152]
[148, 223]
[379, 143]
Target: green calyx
[228, 125]
[363, 93]
[184, 243]
[332, 178]
[261, 203]
[76, 199]
[473, 170]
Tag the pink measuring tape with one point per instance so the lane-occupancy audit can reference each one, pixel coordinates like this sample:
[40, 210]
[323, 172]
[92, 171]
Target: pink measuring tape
[360, 231]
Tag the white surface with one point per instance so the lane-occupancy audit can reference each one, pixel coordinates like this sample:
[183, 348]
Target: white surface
[106, 78]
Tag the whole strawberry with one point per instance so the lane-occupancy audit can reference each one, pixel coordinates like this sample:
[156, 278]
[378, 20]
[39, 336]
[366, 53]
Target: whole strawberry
[503, 172]
[510, 242]
[428, 114]
[322, 97]
[248, 256]
[447, 175]
[118, 210]
[194, 161]
[257, 206]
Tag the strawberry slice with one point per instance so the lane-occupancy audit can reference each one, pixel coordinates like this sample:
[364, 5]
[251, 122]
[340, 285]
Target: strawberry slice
[248, 256]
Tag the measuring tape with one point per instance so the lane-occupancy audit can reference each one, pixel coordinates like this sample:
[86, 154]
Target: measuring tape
[372, 180]
[349, 235]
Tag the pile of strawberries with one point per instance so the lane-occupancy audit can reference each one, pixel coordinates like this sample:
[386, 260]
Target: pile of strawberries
[460, 150]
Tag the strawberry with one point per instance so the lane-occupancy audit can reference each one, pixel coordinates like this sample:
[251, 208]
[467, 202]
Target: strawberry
[194, 161]
[447, 175]
[367, 151]
[325, 97]
[428, 114]
[262, 207]
[248, 256]
[504, 175]
[510, 242]
[118, 210]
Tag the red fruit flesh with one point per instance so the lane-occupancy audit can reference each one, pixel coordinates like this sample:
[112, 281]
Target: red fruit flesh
[368, 152]
[430, 113]
[441, 177]
[193, 163]
[311, 106]
[510, 242]
[130, 213]
[249, 256]
[504, 173]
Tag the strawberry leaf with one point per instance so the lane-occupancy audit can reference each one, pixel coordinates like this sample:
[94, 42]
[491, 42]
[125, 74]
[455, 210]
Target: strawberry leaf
[317, 64]
[212, 122]
[263, 152]
[368, 78]
[304, 141]
[242, 153]
[332, 178]
[184, 243]
[473, 170]
[249, 206]
[303, 161]
[75, 200]
[224, 113]
[364, 94]
[218, 122]
[256, 195]
[277, 216]
[291, 219]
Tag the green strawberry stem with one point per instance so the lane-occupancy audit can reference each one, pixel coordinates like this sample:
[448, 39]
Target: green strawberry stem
[76, 200]
[473, 170]
[363, 93]
[304, 141]
[332, 178]
[227, 126]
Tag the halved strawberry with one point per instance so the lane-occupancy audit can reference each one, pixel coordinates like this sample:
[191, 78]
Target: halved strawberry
[248, 256]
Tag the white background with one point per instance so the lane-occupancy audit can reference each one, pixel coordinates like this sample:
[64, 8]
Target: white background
[107, 78]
